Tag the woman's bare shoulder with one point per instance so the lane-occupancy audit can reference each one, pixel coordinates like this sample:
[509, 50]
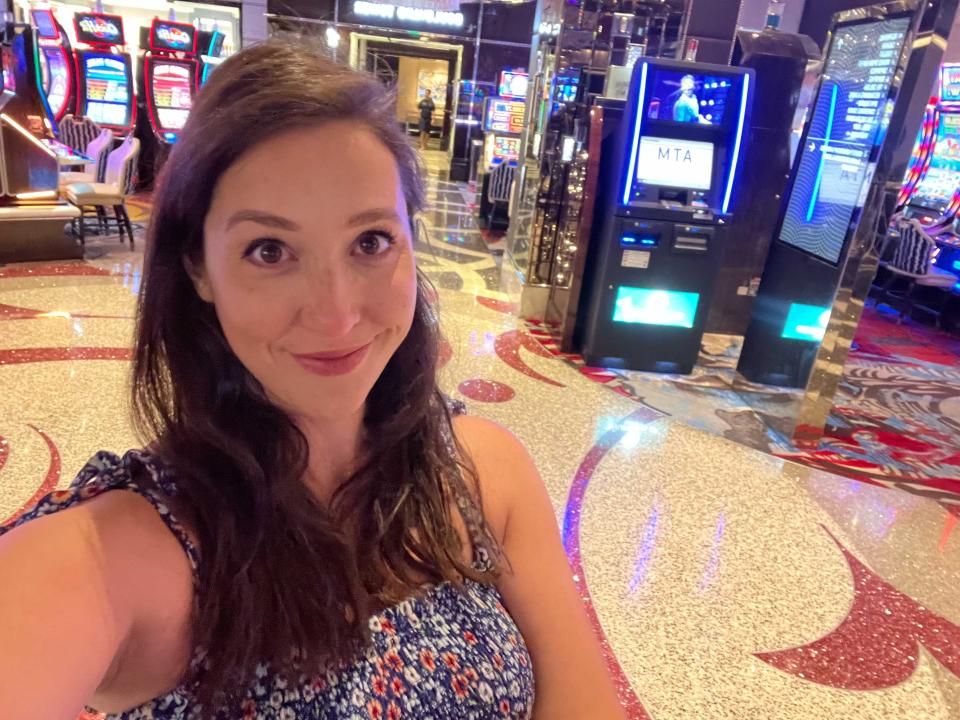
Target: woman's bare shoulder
[105, 583]
[500, 460]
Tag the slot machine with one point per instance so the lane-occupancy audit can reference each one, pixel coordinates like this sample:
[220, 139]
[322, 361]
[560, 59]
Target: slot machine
[104, 72]
[661, 221]
[57, 70]
[32, 217]
[503, 119]
[170, 77]
[935, 198]
[168, 74]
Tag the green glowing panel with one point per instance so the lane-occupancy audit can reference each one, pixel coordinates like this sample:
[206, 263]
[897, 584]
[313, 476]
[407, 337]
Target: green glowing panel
[806, 322]
[655, 307]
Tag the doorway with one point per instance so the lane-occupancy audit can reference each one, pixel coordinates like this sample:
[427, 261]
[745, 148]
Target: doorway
[412, 67]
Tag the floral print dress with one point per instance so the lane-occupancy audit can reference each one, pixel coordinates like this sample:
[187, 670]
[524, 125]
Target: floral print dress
[445, 654]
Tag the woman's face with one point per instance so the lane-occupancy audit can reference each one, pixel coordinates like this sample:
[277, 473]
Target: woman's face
[308, 260]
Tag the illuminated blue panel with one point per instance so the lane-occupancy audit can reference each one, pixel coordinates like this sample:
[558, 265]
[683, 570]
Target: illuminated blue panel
[806, 322]
[956, 264]
[638, 115]
[815, 195]
[655, 307]
[736, 145]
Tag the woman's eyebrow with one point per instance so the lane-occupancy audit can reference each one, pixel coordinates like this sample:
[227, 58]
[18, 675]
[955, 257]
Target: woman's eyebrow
[373, 215]
[262, 217]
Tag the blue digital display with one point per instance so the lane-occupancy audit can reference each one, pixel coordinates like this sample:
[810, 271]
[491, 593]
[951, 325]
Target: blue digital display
[847, 125]
[806, 322]
[689, 98]
[641, 241]
[646, 306]
[662, 99]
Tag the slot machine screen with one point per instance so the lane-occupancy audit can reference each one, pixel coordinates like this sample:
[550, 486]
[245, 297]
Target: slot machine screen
[836, 161]
[936, 189]
[689, 98]
[107, 90]
[178, 37]
[950, 84]
[673, 162]
[504, 116]
[9, 77]
[53, 67]
[45, 23]
[171, 95]
[507, 148]
[97, 29]
[514, 84]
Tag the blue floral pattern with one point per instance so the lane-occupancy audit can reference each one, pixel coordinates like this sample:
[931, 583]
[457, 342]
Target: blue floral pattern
[445, 653]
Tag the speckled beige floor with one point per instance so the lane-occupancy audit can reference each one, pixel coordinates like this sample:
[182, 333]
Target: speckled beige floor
[725, 583]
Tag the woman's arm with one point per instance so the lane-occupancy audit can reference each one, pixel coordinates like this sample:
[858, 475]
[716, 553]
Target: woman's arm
[77, 588]
[571, 680]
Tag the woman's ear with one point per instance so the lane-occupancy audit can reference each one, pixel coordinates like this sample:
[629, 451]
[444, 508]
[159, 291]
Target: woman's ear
[198, 276]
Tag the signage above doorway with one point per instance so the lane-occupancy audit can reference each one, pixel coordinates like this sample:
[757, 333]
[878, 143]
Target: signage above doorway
[407, 14]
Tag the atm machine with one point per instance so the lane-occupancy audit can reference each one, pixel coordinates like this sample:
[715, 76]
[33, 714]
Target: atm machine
[660, 227]
[104, 73]
[58, 73]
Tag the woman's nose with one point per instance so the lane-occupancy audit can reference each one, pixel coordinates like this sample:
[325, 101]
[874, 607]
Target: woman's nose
[331, 303]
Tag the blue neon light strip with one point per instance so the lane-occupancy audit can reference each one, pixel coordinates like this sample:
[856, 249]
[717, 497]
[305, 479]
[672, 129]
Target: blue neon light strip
[736, 146]
[631, 166]
[956, 264]
[826, 142]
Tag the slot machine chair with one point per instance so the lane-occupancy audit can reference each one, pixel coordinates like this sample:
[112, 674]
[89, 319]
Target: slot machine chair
[499, 187]
[111, 193]
[77, 132]
[98, 150]
[912, 261]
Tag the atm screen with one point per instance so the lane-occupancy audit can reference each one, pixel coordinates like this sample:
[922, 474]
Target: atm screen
[107, 90]
[171, 95]
[689, 98]
[675, 163]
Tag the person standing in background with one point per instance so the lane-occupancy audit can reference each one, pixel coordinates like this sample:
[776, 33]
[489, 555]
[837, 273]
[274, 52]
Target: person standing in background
[426, 107]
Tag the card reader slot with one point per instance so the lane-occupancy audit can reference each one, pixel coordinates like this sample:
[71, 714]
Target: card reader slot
[685, 243]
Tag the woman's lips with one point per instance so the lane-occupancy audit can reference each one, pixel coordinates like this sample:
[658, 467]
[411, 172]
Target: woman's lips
[336, 362]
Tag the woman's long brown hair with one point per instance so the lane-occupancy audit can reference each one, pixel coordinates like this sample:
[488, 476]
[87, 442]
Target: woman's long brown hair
[281, 572]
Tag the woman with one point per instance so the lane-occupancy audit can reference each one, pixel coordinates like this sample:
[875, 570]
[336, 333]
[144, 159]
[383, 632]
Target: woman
[309, 535]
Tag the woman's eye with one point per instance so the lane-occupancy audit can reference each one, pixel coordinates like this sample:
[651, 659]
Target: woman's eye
[266, 252]
[375, 242]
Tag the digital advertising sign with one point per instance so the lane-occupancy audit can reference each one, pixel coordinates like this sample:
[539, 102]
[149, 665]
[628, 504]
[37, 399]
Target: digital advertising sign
[837, 160]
